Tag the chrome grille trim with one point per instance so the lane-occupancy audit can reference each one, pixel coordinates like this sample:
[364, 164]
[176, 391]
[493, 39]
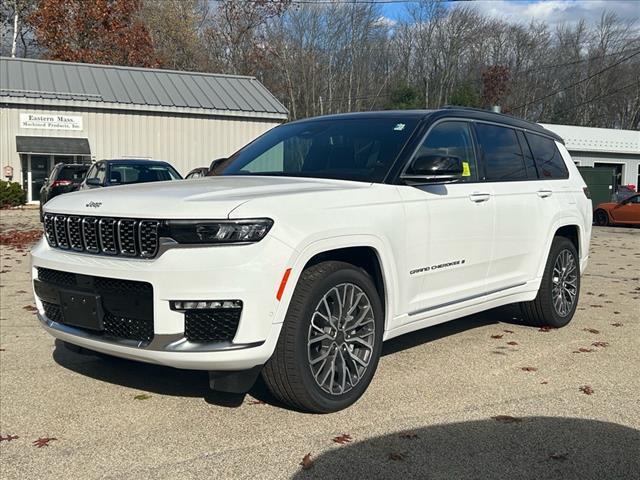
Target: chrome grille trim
[107, 236]
[60, 228]
[148, 237]
[90, 234]
[74, 228]
[127, 237]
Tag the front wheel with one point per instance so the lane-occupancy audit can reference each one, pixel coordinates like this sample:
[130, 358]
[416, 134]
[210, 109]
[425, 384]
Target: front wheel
[559, 291]
[601, 218]
[330, 341]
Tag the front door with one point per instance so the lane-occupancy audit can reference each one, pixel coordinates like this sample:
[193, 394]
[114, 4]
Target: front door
[449, 229]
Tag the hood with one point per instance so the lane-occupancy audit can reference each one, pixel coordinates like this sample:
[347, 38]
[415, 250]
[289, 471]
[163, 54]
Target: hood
[209, 197]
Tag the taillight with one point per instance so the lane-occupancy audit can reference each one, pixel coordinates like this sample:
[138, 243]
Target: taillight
[586, 191]
[61, 183]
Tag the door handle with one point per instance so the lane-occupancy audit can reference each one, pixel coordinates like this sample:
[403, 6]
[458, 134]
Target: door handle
[479, 197]
[545, 193]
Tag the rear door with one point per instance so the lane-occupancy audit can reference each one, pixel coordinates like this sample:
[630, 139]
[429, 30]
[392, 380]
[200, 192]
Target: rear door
[520, 202]
[449, 228]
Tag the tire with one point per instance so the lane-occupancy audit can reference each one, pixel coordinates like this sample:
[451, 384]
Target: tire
[544, 310]
[302, 350]
[601, 218]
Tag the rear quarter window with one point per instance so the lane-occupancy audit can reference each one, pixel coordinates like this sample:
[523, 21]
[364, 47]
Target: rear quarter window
[548, 159]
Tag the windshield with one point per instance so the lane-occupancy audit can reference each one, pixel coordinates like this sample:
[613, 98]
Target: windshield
[122, 173]
[361, 149]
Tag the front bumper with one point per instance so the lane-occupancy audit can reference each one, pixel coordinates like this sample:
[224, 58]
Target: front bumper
[250, 273]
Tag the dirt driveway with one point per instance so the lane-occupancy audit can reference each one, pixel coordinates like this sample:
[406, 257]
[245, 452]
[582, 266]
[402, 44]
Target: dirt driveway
[480, 397]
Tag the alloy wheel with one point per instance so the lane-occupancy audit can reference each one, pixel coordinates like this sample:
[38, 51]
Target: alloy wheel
[564, 283]
[341, 338]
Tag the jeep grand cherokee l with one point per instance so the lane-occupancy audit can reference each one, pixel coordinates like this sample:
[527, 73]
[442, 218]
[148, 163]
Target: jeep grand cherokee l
[314, 244]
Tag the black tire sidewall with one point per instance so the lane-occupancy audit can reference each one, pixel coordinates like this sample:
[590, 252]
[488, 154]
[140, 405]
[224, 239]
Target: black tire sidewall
[346, 274]
[602, 219]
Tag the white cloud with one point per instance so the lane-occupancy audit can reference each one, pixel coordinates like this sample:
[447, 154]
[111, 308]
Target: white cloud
[555, 12]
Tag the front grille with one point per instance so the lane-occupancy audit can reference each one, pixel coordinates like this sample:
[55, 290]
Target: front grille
[127, 304]
[52, 311]
[217, 325]
[128, 328]
[110, 236]
[57, 277]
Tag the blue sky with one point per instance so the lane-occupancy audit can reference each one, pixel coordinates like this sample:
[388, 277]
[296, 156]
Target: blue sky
[552, 11]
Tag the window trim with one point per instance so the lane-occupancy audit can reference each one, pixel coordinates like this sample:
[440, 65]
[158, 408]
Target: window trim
[474, 144]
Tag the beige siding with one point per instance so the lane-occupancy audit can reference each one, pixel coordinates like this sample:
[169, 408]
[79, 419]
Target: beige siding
[184, 141]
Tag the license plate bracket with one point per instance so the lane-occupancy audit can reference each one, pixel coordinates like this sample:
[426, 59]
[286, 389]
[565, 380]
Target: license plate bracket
[82, 309]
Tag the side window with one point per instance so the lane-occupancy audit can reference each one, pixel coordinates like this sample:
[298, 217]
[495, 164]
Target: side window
[452, 138]
[92, 171]
[501, 153]
[101, 174]
[548, 158]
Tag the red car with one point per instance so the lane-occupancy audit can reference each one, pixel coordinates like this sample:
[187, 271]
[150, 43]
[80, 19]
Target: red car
[626, 212]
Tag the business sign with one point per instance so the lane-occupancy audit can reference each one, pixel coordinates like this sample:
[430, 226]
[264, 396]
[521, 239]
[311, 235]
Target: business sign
[50, 121]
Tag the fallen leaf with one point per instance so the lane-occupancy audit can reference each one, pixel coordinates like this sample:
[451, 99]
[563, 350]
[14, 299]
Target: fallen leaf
[408, 435]
[583, 350]
[142, 396]
[507, 419]
[512, 343]
[496, 336]
[558, 456]
[544, 383]
[529, 369]
[8, 438]
[30, 308]
[397, 456]
[591, 330]
[306, 462]
[43, 441]
[546, 328]
[600, 344]
[617, 324]
[507, 331]
[21, 291]
[342, 439]
[586, 389]
[616, 313]
[256, 402]
[20, 239]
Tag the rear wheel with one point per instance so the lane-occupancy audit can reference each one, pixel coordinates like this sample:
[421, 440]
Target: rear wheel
[330, 341]
[557, 298]
[601, 218]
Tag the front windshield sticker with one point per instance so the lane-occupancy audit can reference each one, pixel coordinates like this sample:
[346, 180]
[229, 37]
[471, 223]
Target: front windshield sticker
[399, 127]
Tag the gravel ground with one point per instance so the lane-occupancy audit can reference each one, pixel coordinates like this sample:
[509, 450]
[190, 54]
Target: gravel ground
[480, 397]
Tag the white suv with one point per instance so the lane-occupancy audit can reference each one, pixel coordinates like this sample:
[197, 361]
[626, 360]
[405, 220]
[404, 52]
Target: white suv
[314, 244]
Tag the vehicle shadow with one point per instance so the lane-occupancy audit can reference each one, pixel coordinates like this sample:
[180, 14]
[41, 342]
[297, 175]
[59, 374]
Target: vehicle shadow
[527, 448]
[194, 383]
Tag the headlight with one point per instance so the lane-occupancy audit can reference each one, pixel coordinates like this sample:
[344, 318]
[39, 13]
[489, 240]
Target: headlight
[218, 231]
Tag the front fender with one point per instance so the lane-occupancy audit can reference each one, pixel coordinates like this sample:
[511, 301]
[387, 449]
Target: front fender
[381, 248]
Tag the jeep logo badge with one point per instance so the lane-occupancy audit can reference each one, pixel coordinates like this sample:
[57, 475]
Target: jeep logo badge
[94, 204]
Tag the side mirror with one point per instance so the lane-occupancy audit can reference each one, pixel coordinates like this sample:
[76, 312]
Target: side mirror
[95, 182]
[434, 168]
[216, 162]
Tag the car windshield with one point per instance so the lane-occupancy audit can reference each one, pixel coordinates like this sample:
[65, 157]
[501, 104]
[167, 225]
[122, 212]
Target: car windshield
[361, 149]
[123, 173]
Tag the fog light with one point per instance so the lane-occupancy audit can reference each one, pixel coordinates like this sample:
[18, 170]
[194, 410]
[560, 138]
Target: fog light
[204, 304]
